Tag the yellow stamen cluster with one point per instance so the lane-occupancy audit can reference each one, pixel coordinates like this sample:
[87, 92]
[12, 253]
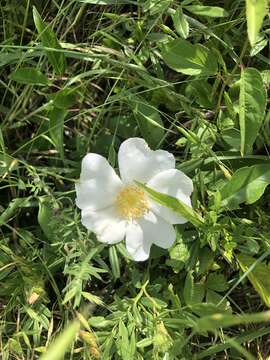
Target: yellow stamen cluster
[131, 202]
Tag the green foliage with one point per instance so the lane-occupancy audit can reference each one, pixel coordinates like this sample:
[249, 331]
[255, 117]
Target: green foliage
[149, 122]
[258, 275]
[58, 348]
[29, 76]
[252, 101]
[246, 185]
[180, 23]
[174, 204]
[82, 76]
[189, 59]
[255, 13]
[49, 40]
[211, 11]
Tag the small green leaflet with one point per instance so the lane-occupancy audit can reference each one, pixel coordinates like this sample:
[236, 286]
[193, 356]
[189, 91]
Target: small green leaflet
[246, 185]
[252, 103]
[255, 13]
[174, 204]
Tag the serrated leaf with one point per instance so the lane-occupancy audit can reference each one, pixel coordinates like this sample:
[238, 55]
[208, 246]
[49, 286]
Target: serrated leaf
[180, 23]
[180, 255]
[246, 185]
[29, 76]
[211, 11]
[259, 276]
[256, 10]
[217, 282]
[49, 40]
[252, 103]
[189, 59]
[214, 298]
[193, 293]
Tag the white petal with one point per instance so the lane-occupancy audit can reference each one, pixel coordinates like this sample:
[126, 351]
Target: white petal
[175, 183]
[148, 230]
[157, 230]
[137, 246]
[138, 162]
[98, 185]
[106, 224]
[113, 233]
[97, 221]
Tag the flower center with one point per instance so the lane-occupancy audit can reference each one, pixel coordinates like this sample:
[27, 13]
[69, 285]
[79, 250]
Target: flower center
[131, 202]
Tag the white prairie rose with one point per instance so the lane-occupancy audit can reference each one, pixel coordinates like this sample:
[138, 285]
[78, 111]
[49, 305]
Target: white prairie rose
[115, 208]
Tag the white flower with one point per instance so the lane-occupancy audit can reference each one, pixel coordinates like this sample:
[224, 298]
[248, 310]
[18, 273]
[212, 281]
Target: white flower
[115, 208]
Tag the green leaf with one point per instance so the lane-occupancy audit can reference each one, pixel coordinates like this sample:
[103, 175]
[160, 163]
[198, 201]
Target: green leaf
[12, 208]
[107, 2]
[174, 204]
[49, 40]
[179, 255]
[215, 321]
[57, 117]
[211, 11]
[61, 344]
[259, 276]
[30, 76]
[193, 293]
[7, 162]
[189, 59]
[214, 298]
[252, 102]
[255, 13]
[180, 23]
[64, 98]
[246, 185]
[149, 122]
[114, 261]
[100, 322]
[156, 7]
[123, 342]
[45, 214]
[246, 337]
[217, 282]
